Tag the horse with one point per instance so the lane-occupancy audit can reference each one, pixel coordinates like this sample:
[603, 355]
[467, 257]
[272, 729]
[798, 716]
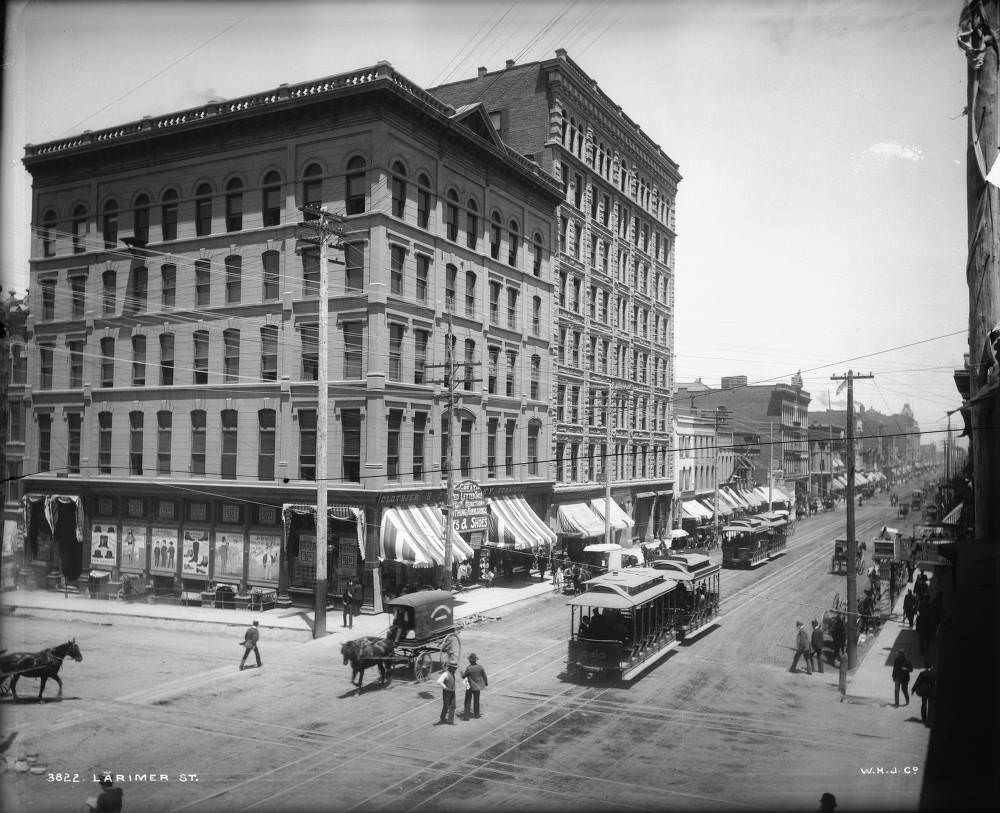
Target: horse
[44, 665]
[368, 651]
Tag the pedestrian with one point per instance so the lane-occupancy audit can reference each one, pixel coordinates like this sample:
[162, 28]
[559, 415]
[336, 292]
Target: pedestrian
[543, 560]
[818, 642]
[802, 649]
[250, 639]
[110, 799]
[348, 598]
[839, 635]
[827, 803]
[923, 687]
[901, 668]
[909, 607]
[925, 625]
[474, 678]
[920, 588]
[447, 684]
[557, 575]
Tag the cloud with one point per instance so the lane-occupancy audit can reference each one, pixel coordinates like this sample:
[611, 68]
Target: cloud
[907, 152]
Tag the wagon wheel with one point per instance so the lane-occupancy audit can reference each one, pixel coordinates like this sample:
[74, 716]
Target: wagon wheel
[422, 665]
[451, 650]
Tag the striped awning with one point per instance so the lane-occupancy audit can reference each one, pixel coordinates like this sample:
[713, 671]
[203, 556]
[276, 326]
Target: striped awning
[709, 503]
[577, 519]
[514, 525]
[695, 510]
[620, 521]
[413, 535]
[725, 498]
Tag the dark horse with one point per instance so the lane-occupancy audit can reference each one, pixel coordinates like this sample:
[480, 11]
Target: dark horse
[44, 665]
[364, 652]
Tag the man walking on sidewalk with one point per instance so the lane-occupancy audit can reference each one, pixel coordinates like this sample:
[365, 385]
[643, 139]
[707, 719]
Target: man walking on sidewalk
[818, 642]
[909, 607]
[250, 639]
[901, 668]
[802, 649]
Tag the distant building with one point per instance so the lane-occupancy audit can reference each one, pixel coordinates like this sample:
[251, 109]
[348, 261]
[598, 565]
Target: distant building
[14, 411]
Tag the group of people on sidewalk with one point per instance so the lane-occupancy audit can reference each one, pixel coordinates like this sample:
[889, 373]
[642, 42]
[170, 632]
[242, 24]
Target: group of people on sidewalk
[473, 678]
[811, 646]
[923, 686]
[923, 610]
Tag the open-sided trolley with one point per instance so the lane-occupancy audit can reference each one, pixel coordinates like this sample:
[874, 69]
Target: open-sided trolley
[778, 538]
[746, 542]
[426, 630]
[698, 591]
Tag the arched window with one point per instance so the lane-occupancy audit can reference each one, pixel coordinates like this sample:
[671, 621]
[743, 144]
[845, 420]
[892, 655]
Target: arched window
[496, 228]
[398, 189]
[423, 200]
[536, 262]
[451, 215]
[312, 189]
[270, 199]
[354, 195]
[140, 219]
[514, 242]
[534, 430]
[47, 233]
[110, 224]
[203, 210]
[470, 294]
[472, 224]
[79, 229]
[234, 205]
[168, 215]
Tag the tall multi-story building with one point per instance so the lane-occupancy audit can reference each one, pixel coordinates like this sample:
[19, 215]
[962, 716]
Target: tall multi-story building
[173, 344]
[614, 274]
[13, 412]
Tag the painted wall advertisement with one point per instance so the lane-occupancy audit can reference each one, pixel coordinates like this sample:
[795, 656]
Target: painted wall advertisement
[165, 546]
[263, 565]
[196, 553]
[103, 546]
[133, 548]
[228, 556]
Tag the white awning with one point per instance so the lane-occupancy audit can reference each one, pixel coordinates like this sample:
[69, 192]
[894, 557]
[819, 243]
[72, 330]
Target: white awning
[620, 521]
[729, 500]
[602, 547]
[514, 525]
[577, 519]
[695, 510]
[724, 510]
[777, 495]
[413, 535]
[954, 517]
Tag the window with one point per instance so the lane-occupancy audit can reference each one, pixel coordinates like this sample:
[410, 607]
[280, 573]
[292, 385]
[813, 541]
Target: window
[445, 443]
[168, 283]
[394, 424]
[75, 364]
[465, 447]
[104, 443]
[307, 444]
[398, 189]
[495, 302]
[140, 219]
[451, 280]
[200, 357]
[560, 454]
[48, 300]
[203, 210]
[230, 420]
[514, 242]
[138, 360]
[107, 362]
[354, 198]
[395, 352]
[164, 433]
[166, 359]
[511, 372]
[138, 290]
[265, 444]
[423, 274]
[269, 262]
[312, 191]
[354, 267]
[309, 333]
[202, 284]
[44, 441]
[420, 339]
[577, 190]
[48, 234]
[508, 449]
[574, 405]
[397, 255]
[234, 282]
[198, 435]
[353, 346]
[74, 425]
[536, 376]
[533, 428]
[470, 294]
[496, 230]
[310, 272]
[19, 365]
[270, 199]
[512, 308]
[108, 282]
[135, 422]
[15, 426]
[110, 224]
[423, 201]
[536, 316]
[350, 421]
[419, 428]
[472, 224]
[494, 365]
[168, 215]
[269, 353]
[78, 227]
[536, 262]
[231, 357]
[451, 215]
[491, 447]
[470, 361]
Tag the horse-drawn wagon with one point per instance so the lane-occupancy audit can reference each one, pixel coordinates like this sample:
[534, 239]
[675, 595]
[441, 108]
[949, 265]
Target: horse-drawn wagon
[40, 665]
[838, 561]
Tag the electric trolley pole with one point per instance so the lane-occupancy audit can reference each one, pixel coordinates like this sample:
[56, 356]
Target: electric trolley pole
[852, 543]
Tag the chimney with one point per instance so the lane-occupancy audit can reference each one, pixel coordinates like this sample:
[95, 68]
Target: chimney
[510, 64]
[482, 72]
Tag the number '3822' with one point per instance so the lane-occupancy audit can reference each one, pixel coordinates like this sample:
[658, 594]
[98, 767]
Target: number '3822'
[62, 777]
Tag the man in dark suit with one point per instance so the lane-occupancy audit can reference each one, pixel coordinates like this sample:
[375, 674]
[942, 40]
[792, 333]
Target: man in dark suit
[476, 677]
[250, 639]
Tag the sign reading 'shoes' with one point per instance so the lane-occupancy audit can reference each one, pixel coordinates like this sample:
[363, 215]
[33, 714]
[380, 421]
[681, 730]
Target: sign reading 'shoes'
[469, 509]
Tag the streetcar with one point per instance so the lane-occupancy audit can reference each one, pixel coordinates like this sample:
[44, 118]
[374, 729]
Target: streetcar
[623, 623]
[746, 542]
[917, 499]
[889, 545]
[838, 561]
[778, 540]
[697, 580]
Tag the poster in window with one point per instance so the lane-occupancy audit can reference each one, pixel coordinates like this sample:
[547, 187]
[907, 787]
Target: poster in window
[103, 546]
[228, 556]
[263, 565]
[133, 548]
[196, 552]
[164, 552]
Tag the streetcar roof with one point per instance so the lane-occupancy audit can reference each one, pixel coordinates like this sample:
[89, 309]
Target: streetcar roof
[686, 566]
[421, 597]
[623, 589]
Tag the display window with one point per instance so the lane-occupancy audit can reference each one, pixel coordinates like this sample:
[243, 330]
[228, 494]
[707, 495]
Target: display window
[103, 546]
[262, 565]
[133, 552]
[228, 556]
[196, 553]
[165, 550]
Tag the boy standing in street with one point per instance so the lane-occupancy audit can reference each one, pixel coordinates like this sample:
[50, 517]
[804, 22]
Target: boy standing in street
[250, 639]
[447, 684]
[818, 643]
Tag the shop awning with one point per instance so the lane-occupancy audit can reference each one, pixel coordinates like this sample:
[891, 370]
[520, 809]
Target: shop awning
[514, 525]
[859, 480]
[724, 510]
[577, 519]
[840, 482]
[954, 517]
[346, 513]
[729, 500]
[620, 521]
[737, 498]
[413, 535]
[752, 497]
[695, 510]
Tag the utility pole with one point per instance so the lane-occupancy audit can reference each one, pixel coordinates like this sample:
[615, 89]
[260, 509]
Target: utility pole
[770, 469]
[449, 449]
[607, 474]
[720, 420]
[852, 543]
[327, 226]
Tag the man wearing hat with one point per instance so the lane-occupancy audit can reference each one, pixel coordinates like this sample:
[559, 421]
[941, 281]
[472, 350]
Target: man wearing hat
[475, 682]
[249, 644]
[447, 684]
[802, 649]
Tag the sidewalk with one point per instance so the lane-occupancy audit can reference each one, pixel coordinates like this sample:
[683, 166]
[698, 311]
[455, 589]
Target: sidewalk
[290, 624]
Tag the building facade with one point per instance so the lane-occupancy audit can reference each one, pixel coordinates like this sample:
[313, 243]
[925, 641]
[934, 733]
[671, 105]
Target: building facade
[13, 427]
[173, 344]
[613, 314]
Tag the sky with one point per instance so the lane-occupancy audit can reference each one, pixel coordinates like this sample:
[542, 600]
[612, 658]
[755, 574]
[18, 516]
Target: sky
[821, 217]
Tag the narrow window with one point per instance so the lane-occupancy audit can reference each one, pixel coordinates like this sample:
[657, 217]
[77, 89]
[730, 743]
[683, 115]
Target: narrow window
[394, 425]
[231, 356]
[423, 201]
[109, 283]
[451, 280]
[536, 376]
[234, 279]
[353, 347]
[451, 215]
[139, 361]
[496, 230]
[168, 283]
[199, 426]
[354, 198]
[350, 421]
[136, 298]
[265, 444]
[307, 444]
[269, 261]
[110, 224]
[166, 359]
[200, 357]
[140, 219]
[512, 308]
[495, 302]
[508, 449]
[472, 224]
[398, 189]
[74, 423]
[310, 272]
[514, 242]
[269, 353]
[19, 365]
[44, 441]
[423, 275]
[203, 210]
[48, 234]
[270, 199]
[465, 447]
[135, 421]
[536, 316]
[354, 267]
[536, 262]
[533, 447]
[395, 352]
[397, 256]
[470, 362]
[202, 284]
[48, 300]
[312, 191]
[470, 294]
[107, 362]
[420, 339]
[229, 443]
[168, 215]
[493, 354]
[419, 428]
[104, 443]
[511, 372]
[164, 436]
[75, 364]
[491, 447]
[79, 230]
